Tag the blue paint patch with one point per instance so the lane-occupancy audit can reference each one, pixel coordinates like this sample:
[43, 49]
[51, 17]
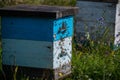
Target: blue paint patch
[63, 28]
[39, 29]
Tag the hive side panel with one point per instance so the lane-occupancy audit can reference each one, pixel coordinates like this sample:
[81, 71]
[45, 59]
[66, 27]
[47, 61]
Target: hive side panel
[62, 56]
[94, 17]
[37, 54]
[63, 28]
[27, 28]
[62, 52]
[117, 26]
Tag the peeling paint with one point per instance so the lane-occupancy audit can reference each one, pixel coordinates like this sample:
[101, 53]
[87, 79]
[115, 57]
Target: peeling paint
[41, 43]
[117, 27]
[88, 19]
[62, 52]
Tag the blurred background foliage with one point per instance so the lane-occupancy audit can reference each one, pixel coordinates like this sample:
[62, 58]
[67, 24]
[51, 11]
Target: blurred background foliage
[38, 2]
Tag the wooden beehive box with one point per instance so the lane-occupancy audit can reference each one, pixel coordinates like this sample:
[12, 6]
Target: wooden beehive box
[117, 28]
[38, 39]
[94, 19]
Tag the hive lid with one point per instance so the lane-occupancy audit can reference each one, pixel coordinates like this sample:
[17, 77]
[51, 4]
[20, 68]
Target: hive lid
[41, 11]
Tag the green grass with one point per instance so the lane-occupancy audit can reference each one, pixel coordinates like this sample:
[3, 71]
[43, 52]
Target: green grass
[100, 63]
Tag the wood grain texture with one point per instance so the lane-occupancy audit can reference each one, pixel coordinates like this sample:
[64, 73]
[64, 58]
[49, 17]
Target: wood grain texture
[39, 11]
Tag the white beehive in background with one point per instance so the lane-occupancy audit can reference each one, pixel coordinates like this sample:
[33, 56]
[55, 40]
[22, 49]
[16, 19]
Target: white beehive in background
[117, 26]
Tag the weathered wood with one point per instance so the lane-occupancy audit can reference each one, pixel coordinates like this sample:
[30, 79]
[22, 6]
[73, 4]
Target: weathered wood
[93, 15]
[41, 11]
[36, 42]
[30, 28]
[37, 54]
[38, 57]
[117, 26]
[39, 38]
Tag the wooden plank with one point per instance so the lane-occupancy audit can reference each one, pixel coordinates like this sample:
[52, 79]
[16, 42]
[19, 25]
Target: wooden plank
[39, 29]
[63, 28]
[117, 27]
[27, 28]
[37, 54]
[93, 15]
[91, 11]
[41, 11]
[62, 53]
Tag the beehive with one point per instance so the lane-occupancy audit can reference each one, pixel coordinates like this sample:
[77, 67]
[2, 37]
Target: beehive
[38, 39]
[117, 28]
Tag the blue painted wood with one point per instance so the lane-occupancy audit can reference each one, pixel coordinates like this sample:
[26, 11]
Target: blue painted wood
[66, 23]
[38, 42]
[27, 28]
[43, 11]
[88, 18]
[37, 54]
[40, 29]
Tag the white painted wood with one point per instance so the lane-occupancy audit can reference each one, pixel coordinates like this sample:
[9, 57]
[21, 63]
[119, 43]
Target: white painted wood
[117, 26]
[66, 46]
